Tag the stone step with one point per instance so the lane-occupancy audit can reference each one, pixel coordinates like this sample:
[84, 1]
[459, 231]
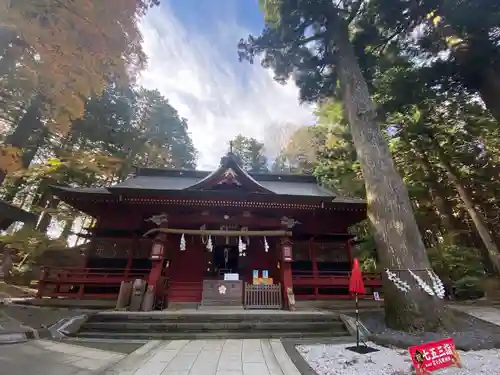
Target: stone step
[218, 335]
[217, 303]
[338, 305]
[210, 326]
[221, 308]
[220, 316]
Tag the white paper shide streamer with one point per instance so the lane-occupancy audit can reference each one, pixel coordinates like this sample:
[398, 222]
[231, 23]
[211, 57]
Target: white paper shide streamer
[266, 245]
[209, 245]
[398, 283]
[422, 284]
[437, 284]
[183, 243]
[241, 247]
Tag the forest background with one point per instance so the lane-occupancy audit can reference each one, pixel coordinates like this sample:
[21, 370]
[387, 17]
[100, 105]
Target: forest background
[71, 113]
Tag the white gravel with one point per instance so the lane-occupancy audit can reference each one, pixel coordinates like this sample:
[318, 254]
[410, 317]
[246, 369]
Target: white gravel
[337, 360]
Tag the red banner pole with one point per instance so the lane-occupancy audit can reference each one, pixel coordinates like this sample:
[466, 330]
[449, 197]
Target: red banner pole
[357, 321]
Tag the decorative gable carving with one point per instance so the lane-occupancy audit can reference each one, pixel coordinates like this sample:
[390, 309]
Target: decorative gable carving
[229, 177]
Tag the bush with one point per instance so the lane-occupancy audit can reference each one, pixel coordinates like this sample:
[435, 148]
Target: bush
[468, 287]
[456, 262]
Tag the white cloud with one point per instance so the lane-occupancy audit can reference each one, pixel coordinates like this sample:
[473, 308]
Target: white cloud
[206, 85]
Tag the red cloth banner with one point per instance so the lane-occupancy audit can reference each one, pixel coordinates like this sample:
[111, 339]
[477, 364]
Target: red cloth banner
[356, 284]
[433, 356]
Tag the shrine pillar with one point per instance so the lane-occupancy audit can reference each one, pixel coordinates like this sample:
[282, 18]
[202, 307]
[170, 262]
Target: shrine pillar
[286, 273]
[157, 257]
[349, 251]
[91, 250]
[314, 262]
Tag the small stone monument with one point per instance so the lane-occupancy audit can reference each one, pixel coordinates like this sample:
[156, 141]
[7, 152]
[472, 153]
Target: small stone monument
[138, 289]
[124, 295]
[149, 298]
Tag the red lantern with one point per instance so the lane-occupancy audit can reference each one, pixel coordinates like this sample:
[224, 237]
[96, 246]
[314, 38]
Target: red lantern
[286, 250]
[157, 251]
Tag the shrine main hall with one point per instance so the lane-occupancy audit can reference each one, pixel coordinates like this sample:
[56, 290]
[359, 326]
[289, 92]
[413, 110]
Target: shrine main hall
[227, 237]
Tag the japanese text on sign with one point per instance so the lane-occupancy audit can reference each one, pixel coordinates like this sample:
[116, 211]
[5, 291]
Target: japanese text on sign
[434, 356]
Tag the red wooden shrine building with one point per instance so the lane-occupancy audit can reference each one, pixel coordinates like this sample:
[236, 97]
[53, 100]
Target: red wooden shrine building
[186, 231]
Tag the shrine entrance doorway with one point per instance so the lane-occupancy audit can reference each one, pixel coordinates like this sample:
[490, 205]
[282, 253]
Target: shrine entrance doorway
[226, 259]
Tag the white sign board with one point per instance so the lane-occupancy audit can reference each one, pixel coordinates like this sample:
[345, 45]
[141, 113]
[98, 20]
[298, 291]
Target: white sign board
[231, 276]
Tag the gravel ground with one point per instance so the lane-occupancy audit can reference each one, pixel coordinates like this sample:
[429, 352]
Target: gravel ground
[336, 360]
[469, 333]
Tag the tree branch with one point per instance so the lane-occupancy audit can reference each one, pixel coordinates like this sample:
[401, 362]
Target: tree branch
[355, 11]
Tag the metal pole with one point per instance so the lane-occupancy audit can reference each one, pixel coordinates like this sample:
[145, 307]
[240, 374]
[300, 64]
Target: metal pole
[357, 322]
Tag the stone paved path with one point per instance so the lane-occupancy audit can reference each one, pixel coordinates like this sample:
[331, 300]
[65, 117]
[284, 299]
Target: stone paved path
[489, 314]
[42, 357]
[208, 357]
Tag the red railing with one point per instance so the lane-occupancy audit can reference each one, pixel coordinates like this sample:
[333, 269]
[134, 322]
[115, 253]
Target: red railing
[71, 282]
[331, 279]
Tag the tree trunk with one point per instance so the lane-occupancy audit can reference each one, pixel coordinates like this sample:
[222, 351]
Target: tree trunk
[400, 246]
[488, 86]
[443, 210]
[16, 185]
[24, 133]
[476, 216]
[67, 230]
[47, 202]
[459, 234]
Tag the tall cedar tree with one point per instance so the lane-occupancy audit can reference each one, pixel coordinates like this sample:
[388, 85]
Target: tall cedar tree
[310, 41]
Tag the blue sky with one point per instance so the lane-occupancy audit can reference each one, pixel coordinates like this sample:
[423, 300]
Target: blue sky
[191, 46]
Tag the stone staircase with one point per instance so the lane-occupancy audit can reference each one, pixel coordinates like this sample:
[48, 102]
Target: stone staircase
[338, 306]
[200, 324]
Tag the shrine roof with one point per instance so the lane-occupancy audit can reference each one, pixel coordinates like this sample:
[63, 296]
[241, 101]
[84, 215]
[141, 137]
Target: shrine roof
[10, 214]
[184, 180]
[229, 177]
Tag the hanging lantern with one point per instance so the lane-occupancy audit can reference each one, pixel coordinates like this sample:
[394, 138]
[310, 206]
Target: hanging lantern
[286, 251]
[209, 244]
[266, 245]
[183, 243]
[157, 250]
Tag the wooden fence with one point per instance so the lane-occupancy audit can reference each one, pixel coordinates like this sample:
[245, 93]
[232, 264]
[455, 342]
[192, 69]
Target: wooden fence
[263, 296]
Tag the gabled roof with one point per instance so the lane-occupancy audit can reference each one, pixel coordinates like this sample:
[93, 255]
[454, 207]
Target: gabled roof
[228, 174]
[228, 177]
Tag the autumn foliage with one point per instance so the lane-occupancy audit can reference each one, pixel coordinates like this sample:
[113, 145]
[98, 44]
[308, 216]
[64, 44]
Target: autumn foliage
[66, 51]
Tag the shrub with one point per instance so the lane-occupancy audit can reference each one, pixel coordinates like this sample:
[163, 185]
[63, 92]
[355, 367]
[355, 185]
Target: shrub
[468, 287]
